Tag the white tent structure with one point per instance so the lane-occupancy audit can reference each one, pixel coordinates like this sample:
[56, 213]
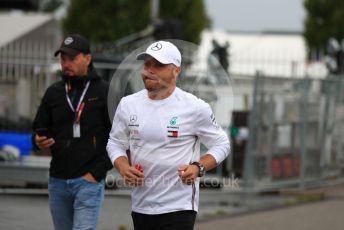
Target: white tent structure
[273, 54]
[280, 57]
[27, 41]
[15, 25]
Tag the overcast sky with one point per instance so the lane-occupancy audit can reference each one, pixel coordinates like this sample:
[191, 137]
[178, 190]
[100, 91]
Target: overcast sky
[256, 15]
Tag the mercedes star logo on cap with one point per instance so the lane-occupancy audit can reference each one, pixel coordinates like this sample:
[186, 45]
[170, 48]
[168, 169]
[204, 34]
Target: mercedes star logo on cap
[156, 47]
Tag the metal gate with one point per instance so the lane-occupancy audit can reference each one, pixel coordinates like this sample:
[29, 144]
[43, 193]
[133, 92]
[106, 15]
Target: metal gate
[296, 132]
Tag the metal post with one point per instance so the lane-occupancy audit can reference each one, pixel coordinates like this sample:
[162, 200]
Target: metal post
[341, 123]
[251, 144]
[337, 121]
[303, 121]
[271, 119]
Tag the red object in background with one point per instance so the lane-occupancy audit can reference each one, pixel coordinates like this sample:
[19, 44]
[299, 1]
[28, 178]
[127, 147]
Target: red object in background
[287, 166]
[139, 167]
[276, 168]
[297, 165]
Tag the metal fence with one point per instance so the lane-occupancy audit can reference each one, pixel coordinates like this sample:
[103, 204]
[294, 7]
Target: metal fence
[295, 133]
[26, 69]
[296, 126]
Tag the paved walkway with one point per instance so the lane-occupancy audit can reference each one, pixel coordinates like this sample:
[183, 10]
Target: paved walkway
[18, 212]
[326, 214]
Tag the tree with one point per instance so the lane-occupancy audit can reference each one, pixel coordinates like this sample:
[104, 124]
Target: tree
[190, 13]
[106, 20]
[325, 19]
[109, 20]
[50, 5]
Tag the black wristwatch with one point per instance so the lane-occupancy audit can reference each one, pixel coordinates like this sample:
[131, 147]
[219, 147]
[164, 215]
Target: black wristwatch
[200, 167]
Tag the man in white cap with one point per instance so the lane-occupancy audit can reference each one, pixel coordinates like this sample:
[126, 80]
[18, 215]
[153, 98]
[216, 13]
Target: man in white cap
[163, 127]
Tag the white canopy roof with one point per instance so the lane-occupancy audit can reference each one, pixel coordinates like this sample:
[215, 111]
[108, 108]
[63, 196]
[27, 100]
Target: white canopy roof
[15, 24]
[274, 54]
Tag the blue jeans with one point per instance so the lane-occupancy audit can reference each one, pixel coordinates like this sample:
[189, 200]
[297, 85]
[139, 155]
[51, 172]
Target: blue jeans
[75, 203]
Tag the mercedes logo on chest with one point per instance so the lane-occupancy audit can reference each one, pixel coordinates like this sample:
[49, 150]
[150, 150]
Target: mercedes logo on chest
[133, 118]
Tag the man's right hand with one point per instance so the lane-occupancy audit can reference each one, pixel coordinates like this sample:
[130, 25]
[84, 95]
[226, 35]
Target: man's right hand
[131, 175]
[43, 143]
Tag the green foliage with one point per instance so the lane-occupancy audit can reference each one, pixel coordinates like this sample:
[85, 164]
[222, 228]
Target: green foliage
[108, 20]
[325, 19]
[50, 5]
[191, 14]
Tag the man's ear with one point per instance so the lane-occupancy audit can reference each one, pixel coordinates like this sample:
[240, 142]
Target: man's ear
[177, 71]
[88, 58]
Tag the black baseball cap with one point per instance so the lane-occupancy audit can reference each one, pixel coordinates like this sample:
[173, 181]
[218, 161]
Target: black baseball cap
[74, 44]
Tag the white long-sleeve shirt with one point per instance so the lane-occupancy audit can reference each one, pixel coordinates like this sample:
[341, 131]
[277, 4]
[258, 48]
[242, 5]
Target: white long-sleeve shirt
[163, 135]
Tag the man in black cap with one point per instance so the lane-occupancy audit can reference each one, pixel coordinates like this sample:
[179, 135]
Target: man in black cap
[72, 123]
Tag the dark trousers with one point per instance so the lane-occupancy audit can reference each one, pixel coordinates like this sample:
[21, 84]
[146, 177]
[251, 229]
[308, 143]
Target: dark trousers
[180, 220]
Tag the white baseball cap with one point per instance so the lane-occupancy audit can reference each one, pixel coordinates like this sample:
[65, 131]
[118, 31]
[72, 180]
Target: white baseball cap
[162, 51]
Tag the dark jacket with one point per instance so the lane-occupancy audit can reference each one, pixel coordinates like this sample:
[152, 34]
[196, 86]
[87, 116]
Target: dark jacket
[74, 157]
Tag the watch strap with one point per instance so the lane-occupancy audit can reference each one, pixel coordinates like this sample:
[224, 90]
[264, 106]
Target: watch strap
[201, 168]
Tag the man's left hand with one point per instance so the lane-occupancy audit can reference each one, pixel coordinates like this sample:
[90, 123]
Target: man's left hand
[188, 173]
[88, 176]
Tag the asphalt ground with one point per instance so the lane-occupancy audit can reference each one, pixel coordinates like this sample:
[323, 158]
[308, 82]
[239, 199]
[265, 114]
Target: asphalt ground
[218, 210]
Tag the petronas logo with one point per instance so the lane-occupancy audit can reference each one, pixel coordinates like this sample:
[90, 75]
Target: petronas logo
[173, 121]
